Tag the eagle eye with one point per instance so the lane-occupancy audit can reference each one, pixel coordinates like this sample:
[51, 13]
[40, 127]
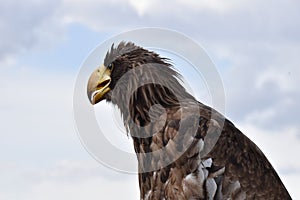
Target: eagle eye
[110, 66]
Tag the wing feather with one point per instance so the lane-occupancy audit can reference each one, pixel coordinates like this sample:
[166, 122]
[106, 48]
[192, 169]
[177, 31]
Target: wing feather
[234, 169]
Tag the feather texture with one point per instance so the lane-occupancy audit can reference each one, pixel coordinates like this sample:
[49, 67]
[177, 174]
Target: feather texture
[173, 136]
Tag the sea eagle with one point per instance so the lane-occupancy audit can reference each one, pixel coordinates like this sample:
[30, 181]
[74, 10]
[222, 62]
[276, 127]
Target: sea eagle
[172, 131]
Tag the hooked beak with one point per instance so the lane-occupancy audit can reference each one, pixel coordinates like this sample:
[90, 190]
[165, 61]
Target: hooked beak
[98, 84]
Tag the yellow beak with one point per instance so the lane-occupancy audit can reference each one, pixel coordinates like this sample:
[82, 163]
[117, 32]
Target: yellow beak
[98, 84]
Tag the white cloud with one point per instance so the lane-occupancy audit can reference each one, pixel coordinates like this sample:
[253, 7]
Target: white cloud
[261, 85]
[212, 22]
[213, 5]
[262, 116]
[67, 179]
[41, 156]
[27, 25]
[141, 5]
[95, 188]
[106, 16]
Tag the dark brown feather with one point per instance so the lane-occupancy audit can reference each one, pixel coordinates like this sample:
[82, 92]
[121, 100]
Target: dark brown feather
[234, 169]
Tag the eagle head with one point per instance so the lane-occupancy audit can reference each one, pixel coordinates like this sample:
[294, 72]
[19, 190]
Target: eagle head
[117, 62]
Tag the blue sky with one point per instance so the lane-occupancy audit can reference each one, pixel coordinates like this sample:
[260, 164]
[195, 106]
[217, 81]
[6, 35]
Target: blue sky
[255, 46]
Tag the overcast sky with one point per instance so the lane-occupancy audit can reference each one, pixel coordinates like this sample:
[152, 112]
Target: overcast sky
[255, 46]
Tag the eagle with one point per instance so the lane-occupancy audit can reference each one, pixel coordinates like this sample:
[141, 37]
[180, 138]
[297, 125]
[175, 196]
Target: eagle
[185, 149]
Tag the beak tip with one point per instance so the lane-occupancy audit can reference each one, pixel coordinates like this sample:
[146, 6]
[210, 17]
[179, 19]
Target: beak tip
[89, 95]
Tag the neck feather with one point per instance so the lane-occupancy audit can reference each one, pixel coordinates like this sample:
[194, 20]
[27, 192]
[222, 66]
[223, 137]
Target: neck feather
[145, 86]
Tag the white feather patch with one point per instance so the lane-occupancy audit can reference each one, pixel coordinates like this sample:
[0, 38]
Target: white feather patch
[211, 188]
[207, 163]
